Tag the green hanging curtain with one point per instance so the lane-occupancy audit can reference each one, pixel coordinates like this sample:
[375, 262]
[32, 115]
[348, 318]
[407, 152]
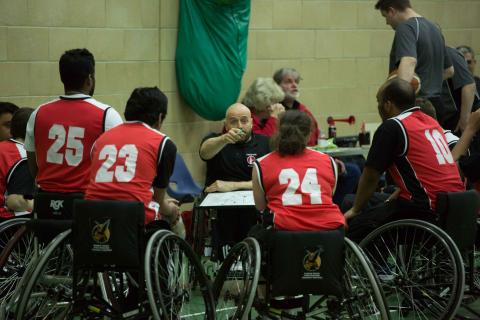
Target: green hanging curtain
[211, 53]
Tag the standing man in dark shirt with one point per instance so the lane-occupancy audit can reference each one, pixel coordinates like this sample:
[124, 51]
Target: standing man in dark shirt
[412, 147]
[230, 156]
[469, 56]
[459, 93]
[418, 47]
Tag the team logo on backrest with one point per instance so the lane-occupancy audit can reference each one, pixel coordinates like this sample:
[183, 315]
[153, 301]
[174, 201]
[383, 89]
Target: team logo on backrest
[56, 204]
[100, 232]
[312, 262]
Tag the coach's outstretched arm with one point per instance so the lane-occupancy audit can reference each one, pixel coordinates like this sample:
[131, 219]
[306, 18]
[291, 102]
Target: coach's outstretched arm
[210, 147]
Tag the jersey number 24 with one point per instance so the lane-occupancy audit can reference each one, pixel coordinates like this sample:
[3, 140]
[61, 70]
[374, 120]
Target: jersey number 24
[309, 185]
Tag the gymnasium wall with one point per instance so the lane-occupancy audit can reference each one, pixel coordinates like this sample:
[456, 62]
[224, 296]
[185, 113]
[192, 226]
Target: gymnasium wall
[340, 48]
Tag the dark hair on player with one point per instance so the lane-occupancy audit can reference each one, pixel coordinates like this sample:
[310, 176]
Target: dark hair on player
[75, 66]
[7, 107]
[292, 134]
[18, 128]
[146, 105]
[401, 5]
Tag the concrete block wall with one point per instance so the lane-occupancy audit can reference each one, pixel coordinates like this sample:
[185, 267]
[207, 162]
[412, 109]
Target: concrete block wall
[340, 47]
[123, 35]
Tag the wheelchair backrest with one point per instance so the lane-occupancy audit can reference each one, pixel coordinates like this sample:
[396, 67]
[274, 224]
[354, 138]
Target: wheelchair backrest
[108, 235]
[54, 205]
[306, 262]
[457, 214]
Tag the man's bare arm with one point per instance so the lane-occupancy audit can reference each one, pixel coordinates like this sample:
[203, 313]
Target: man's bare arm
[210, 147]
[468, 95]
[406, 68]
[226, 186]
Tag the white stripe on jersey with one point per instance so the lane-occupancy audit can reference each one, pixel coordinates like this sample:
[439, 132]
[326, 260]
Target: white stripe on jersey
[405, 138]
[259, 177]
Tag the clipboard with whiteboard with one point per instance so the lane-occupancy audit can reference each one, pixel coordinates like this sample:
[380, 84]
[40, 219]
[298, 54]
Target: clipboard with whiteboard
[216, 200]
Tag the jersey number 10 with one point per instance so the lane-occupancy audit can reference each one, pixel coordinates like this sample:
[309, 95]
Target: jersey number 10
[440, 146]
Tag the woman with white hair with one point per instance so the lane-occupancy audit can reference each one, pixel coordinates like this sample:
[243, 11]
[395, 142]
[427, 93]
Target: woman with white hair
[263, 98]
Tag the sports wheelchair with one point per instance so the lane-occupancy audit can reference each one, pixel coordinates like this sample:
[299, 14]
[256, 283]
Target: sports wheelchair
[21, 245]
[96, 270]
[420, 264]
[317, 275]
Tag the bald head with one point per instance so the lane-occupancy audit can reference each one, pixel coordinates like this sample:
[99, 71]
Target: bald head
[395, 96]
[239, 116]
[237, 109]
[399, 92]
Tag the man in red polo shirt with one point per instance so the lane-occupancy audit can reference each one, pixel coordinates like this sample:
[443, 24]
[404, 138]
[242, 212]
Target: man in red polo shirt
[60, 133]
[288, 79]
[412, 147]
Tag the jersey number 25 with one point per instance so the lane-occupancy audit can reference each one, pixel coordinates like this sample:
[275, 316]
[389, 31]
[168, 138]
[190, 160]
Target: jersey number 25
[73, 148]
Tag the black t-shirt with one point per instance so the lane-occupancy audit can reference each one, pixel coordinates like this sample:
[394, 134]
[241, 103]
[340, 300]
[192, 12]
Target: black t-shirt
[452, 88]
[234, 162]
[20, 181]
[421, 39]
[165, 164]
[387, 144]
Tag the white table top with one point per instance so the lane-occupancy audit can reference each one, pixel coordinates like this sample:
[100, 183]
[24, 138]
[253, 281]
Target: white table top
[242, 198]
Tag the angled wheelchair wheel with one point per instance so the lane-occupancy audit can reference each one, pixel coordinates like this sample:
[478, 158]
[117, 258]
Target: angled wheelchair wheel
[47, 294]
[420, 269]
[181, 287]
[150, 267]
[363, 296]
[476, 263]
[17, 252]
[476, 270]
[236, 281]
[8, 229]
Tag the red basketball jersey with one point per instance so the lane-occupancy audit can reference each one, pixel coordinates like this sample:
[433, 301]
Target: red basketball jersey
[425, 166]
[299, 190]
[64, 132]
[124, 165]
[11, 152]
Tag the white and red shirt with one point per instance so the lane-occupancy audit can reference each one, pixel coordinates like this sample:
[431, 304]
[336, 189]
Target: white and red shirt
[11, 154]
[126, 165]
[61, 133]
[414, 149]
[299, 190]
